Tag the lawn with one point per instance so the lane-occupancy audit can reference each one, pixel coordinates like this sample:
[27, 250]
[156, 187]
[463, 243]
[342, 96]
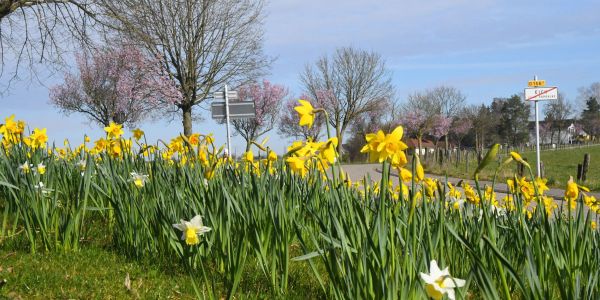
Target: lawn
[98, 272]
[558, 165]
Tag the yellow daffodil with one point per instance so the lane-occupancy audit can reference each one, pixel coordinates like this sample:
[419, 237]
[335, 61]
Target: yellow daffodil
[306, 113]
[430, 187]
[470, 194]
[114, 130]
[405, 175]
[382, 146]
[41, 168]
[516, 156]
[297, 164]
[541, 185]
[249, 156]
[38, 138]
[420, 172]
[137, 134]
[328, 150]
[571, 193]
[272, 156]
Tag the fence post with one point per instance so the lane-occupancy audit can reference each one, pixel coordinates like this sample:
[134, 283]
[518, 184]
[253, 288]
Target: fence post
[585, 167]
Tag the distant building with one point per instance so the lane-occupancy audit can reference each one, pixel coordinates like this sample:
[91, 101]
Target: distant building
[570, 134]
[426, 146]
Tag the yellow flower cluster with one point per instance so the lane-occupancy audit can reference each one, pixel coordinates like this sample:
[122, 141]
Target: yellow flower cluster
[381, 146]
[13, 133]
[305, 155]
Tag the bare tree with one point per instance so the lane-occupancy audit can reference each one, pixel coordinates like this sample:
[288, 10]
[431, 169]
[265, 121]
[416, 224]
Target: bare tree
[557, 114]
[585, 93]
[38, 32]
[351, 83]
[205, 44]
[443, 100]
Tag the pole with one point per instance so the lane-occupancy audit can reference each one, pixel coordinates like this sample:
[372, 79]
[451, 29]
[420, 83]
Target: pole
[227, 121]
[537, 136]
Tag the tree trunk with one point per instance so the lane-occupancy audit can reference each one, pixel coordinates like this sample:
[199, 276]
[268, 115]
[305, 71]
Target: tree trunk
[248, 145]
[419, 145]
[340, 135]
[446, 143]
[187, 120]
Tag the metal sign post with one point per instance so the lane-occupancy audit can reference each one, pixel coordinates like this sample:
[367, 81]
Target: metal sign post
[231, 110]
[227, 121]
[536, 94]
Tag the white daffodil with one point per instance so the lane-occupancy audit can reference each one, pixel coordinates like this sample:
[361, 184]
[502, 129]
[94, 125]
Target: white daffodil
[457, 203]
[25, 167]
[192, 230]
[82, 164]
[40, 186]
[439, 282]
[139, 179]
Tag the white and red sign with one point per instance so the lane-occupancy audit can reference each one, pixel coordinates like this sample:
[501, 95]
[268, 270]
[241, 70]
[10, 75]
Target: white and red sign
[541, 93]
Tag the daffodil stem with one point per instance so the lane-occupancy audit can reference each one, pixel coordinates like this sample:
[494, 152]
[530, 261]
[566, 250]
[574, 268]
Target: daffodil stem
[413, 200]
[337, 162]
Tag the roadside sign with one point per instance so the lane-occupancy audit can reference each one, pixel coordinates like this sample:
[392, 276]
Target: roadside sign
[232, 95]
[237, 110]
[541, 93]
[536, 83]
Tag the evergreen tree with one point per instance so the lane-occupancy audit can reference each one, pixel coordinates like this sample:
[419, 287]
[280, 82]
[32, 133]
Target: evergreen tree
[513, 120]
[590, 117]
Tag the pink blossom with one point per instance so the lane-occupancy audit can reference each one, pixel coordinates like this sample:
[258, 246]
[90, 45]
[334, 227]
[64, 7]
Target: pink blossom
[115, 84]
[440, 126]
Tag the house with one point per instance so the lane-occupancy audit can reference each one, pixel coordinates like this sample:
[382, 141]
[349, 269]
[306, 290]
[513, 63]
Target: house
[426, 146]
[568, 134]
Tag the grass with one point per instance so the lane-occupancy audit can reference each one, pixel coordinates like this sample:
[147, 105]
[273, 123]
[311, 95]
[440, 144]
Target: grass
[87, 274]
[558, 165]
[99, 272]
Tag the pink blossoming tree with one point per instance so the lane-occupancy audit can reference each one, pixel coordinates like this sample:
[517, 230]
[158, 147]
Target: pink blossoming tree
[120, 85]
[440, 127]
[460, 128]
[267, 99]
[417, 124]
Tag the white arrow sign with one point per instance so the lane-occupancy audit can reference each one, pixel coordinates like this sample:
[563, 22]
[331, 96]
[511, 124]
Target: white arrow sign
[541, 93]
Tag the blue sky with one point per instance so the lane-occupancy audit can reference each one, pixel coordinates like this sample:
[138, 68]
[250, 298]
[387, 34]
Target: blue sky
[484, 48]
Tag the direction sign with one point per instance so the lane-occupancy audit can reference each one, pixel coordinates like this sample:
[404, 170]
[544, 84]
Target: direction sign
[237, 110]
[541, 93]
[536, 83]
[232, 95]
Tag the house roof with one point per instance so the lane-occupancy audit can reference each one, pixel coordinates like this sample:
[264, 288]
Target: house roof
[414, 143]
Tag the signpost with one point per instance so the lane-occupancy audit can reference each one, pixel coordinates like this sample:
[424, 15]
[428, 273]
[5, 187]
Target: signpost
[231, 110]
[537, 92]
